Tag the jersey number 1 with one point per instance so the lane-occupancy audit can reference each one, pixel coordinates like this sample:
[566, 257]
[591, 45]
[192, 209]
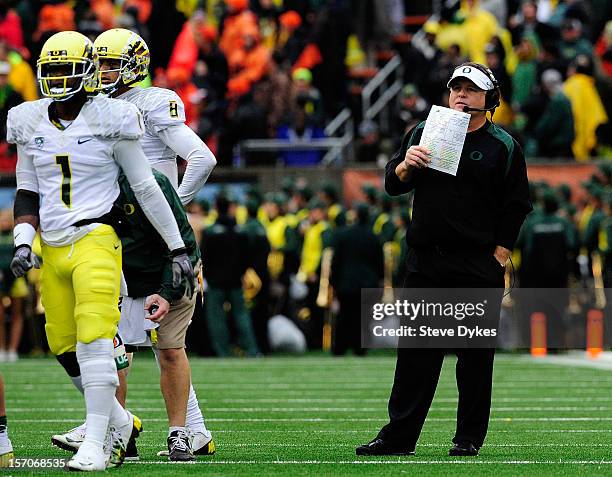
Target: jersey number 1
[64, 163]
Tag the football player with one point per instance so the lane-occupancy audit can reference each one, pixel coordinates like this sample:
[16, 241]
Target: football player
[71, 148]
[124, 62]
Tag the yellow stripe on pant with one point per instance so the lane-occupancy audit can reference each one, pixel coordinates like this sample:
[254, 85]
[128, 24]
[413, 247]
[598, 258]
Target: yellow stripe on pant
[80, 289]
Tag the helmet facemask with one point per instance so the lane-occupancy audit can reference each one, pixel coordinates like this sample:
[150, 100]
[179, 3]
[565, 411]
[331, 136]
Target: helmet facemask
[57, 85]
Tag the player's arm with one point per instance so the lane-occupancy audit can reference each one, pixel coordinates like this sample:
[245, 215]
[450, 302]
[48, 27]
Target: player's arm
[129, 155]
[200, 160]
[26, 214]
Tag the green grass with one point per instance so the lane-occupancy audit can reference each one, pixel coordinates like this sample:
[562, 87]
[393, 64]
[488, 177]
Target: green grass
[304, 416]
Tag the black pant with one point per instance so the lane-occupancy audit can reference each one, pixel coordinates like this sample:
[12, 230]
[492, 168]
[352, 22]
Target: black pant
[417, 370]
[347, 329]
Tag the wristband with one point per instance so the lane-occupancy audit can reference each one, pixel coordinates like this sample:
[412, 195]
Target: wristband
[23, 234]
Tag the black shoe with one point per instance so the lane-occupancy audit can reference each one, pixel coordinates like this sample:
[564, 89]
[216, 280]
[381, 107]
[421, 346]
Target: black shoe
[463, 449]
[178, 447]
[131, 451]
[379, 446]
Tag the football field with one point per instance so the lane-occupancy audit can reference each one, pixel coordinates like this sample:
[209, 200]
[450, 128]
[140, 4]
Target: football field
[304, 416]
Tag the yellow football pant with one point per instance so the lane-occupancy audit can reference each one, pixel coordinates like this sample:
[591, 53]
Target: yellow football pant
[80, 289]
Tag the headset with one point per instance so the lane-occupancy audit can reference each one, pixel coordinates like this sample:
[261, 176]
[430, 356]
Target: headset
[492, 96]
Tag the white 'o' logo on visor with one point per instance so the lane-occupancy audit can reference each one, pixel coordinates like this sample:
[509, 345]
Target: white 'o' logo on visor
[467, 69]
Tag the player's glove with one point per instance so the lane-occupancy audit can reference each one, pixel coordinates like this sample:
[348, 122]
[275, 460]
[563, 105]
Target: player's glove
[23, 260]
[182, 269]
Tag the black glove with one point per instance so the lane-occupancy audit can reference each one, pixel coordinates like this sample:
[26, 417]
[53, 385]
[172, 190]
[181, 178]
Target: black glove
[182, 269]
[23, 260]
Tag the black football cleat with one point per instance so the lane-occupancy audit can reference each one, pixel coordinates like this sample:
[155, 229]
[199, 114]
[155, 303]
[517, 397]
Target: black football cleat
[379, 446]
[463, 449]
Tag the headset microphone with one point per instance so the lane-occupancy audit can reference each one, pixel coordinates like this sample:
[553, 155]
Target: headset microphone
[467, 109]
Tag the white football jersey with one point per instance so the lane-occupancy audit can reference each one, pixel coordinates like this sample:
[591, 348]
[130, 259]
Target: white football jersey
[160, 108]
[76, 173]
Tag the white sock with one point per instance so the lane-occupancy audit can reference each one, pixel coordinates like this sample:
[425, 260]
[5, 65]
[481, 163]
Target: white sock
[97, 426]
[194, 419]
[99, 380]
[172, 429]
[119, 416]
[77, 381]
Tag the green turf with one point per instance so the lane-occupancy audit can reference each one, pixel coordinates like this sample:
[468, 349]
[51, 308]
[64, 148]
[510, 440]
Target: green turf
[304, 416]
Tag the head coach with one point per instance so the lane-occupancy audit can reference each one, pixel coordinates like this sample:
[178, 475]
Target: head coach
[462, 232]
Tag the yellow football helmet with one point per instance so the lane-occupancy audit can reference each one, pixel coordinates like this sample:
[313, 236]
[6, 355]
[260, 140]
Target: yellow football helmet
[67, 56]
[131, 50]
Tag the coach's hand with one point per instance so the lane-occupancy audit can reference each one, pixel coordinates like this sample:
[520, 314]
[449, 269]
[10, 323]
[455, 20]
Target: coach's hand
[23, 260]
[417, 157]
[182, 269]
[157, 308]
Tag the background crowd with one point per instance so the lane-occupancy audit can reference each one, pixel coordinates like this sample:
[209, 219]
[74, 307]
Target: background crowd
[283, 69]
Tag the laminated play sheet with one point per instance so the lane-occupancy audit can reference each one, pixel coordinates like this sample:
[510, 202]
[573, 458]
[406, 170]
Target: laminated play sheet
[444, 135]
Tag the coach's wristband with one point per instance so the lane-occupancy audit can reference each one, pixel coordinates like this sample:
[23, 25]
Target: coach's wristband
[23, 234]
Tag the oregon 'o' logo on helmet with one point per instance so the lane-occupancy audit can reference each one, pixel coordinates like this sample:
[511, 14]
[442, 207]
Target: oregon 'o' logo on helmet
[476, 155]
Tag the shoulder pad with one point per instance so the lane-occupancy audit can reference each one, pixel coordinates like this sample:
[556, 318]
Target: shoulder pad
[23, 120]
[113, 118]
[161, 108]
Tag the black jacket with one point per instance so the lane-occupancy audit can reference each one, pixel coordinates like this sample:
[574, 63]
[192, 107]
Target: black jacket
[485, 204]
[226, 254]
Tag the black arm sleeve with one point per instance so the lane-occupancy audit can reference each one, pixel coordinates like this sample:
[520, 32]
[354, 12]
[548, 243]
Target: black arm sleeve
[393, 185]
[516, 203]
[26, 203]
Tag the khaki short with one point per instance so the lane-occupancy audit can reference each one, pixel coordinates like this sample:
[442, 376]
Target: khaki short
[173, 328]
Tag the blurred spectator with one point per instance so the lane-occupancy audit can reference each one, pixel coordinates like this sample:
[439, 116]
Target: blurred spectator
[90, 26]
[258, 251]
[8, 97]
[587, 107]
[357, 263]
[21, 77]
[224, 273]
[503, 114]
[130, 19]
[10, 25]
[193, 35]
[331, 30]
[249, 121]
[412, 108]
[267, 12]
[301, 128]
[291, 39]
[14, 288]
[524, 79]
[233, 25]
[603, 50]
[499, 8]
[554, 131]
[527, 24]
[438, 76]
[306, 97]
[53, 18]
[368, 145]
[247, 65]
[282, 86]
[572, 41]
[374, 27]
[479, 27]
